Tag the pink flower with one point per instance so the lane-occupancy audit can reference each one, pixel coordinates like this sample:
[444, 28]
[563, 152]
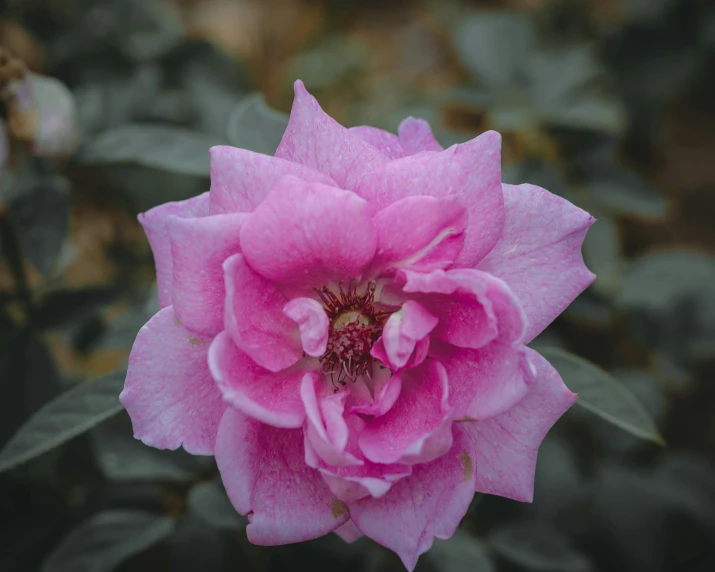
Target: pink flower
[344, 327]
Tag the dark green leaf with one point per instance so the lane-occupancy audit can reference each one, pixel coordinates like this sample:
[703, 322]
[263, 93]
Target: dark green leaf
[461, 553]
[210, 502]
[106, 540]
[157, 146]
[255, 126]
[40, 216]
[493, 45]
[602, 394]
[122, 457]
[71, 414]
[538, 547]
[670, 301]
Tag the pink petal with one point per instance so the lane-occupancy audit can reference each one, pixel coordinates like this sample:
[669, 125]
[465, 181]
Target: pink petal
[348, 532]
[267, 479]
[539, 253]
[430, 503]
[415, 135]
[255, 318]
[419, 232]
[404, 330]
[377, 398]
[506, 445]
[473, 307]
[417, 428]
[315, 139]
[169, 392]
[325, 429]
[273, 398]
[199, 247]
[484, 382]
[309, 235]
[154, 223]
[241, 179]
[471, 172]
[313, 324]
[384, 141]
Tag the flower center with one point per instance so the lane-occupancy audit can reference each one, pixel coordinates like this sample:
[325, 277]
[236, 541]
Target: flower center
[355, 325]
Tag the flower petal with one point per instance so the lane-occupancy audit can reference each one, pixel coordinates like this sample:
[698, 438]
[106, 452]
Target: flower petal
[199, 247]
[430, 503]
[313, 324]
[267, 479]
[309, 235]
[404, 330]
[506, 445]
[415, 135]
[386, 142]
[255, 319]
[325, 428]
[154, 223]
[539, 253]
[484, 382]
[473, 307]
[169, 393]
[417, 428]
[419, 232]
[241, 179]
[315, 139]
[470, 171]
[377, 396]
[273, 398]
[348, 532]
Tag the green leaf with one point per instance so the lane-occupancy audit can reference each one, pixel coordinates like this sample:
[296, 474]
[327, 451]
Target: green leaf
[461, 553]
[539, 547]
[106, 540]
[71, 414]
[255, 126]
[602, 394]
[122, 457]
[157, 146]
[210, 502]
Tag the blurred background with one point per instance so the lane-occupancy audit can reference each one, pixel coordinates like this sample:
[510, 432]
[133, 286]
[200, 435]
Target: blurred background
[108, 108]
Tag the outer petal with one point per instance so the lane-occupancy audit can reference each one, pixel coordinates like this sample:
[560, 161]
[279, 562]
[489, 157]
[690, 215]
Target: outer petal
[506, 445]
[199, 247]
[419, 232]
[241, 179]
[417, 428]
[255, 318]
[539, 253]
[415, 135]
[348, 532]
[384, 141]
[309, 235]
[169, 392]
[266, 478]
[471, 171]
[315, 139]
[273, 398]
[473, 307]
[430, 503]
[313, 324]
[404, 330]
[154, 223]
[484, 382]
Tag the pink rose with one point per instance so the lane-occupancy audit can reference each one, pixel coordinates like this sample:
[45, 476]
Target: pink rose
[343, 326]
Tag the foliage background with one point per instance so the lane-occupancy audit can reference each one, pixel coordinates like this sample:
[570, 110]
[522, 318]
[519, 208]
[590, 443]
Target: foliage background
[610, 103]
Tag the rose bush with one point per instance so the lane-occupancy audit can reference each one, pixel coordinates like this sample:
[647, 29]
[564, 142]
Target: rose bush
[343, 326]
